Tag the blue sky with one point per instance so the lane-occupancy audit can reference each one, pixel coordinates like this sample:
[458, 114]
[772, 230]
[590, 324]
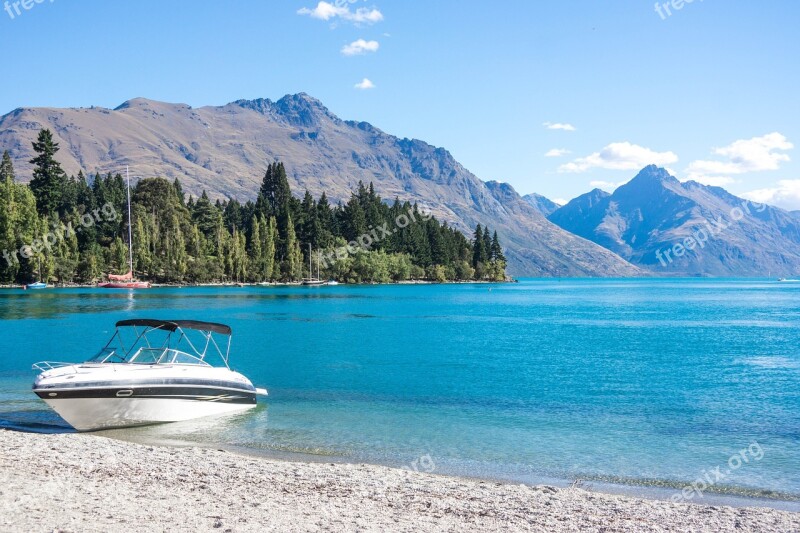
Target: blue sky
[554, 97]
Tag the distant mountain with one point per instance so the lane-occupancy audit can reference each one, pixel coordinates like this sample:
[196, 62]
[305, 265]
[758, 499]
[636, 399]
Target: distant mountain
[542, 204]
[669, 227]
[225, 150]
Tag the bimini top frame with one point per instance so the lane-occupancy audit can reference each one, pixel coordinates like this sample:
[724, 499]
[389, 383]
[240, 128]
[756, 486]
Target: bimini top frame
[172, 327]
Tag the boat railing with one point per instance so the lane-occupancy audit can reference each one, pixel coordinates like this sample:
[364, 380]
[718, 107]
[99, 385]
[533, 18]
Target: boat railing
[44, 366]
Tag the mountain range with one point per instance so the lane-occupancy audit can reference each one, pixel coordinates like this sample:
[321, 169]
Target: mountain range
[653, 225]
[225, 150]
[674, 228]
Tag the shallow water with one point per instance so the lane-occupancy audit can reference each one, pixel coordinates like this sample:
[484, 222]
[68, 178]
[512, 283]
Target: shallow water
[642, 382]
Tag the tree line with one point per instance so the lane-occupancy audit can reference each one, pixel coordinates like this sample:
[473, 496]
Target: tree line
[74, 229]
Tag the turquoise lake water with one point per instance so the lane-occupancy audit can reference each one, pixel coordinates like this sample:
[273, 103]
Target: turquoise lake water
[638, 382]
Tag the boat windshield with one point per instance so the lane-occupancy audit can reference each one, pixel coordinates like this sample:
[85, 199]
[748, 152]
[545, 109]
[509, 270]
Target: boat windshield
[156, 345]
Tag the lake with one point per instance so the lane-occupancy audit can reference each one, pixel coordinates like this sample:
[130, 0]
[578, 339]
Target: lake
[654, 383]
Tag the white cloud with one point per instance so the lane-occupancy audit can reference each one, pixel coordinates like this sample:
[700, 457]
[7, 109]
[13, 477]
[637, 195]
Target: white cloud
[324, 11]
[327, 11]
[746, 155]
[360, 47]
[364, 85]
[557, 152]
[559, 126]
[363, 14]
[560, 201]
[609, 186]
[786, 195]
[620, 156]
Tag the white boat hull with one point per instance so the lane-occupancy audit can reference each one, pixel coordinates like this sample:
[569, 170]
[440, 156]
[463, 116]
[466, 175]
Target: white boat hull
[92, 397]
[92, 414]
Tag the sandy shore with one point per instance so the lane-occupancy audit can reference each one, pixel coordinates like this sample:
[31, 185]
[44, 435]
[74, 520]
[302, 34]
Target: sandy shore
[91, 483]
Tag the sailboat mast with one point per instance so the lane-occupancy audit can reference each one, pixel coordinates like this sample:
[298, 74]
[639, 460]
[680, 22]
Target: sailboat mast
[310, 272]
[130, 222]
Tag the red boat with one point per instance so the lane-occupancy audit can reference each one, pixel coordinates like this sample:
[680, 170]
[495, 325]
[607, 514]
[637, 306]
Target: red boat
[131, 285]
[125, 281]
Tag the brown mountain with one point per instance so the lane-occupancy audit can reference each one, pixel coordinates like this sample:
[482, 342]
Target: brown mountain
[225, 151]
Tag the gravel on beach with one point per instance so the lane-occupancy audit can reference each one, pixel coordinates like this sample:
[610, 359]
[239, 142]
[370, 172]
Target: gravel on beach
[79, 482]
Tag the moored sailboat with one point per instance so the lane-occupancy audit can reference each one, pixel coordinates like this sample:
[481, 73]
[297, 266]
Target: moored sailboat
[311, 281]
[126, 281]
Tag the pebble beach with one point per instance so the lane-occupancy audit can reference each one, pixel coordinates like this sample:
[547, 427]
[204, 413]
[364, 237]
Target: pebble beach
[81, 482]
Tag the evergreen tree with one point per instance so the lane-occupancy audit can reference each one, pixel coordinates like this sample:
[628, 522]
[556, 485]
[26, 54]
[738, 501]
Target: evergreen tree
[311, 228]
[354, 221]
[327, 224]
[497, 250]
[49, 181]
[206, 216]
[179, 190]
[480, 255]
[486, 248]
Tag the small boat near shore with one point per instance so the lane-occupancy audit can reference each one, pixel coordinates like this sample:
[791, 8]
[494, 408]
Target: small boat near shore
[149, 372]
[36, 285]
[132, 284]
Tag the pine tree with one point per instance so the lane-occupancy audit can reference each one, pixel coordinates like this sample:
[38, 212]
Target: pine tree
[178, 190]
[327, 226]
[275, 189]
[486, 249]
[497, 250]
[354, 221]
[311, 229]
[477, 247]
[206, 216]
[49, 180]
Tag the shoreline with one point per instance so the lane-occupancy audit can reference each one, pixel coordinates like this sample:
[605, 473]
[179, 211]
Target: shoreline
[649, 489]
[88, 482]
[236, 285]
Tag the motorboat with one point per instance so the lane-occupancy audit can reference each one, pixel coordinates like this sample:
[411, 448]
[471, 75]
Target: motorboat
[149, 372]
[36, 285]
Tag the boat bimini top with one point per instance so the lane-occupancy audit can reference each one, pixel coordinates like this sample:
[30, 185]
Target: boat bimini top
[162, 342]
